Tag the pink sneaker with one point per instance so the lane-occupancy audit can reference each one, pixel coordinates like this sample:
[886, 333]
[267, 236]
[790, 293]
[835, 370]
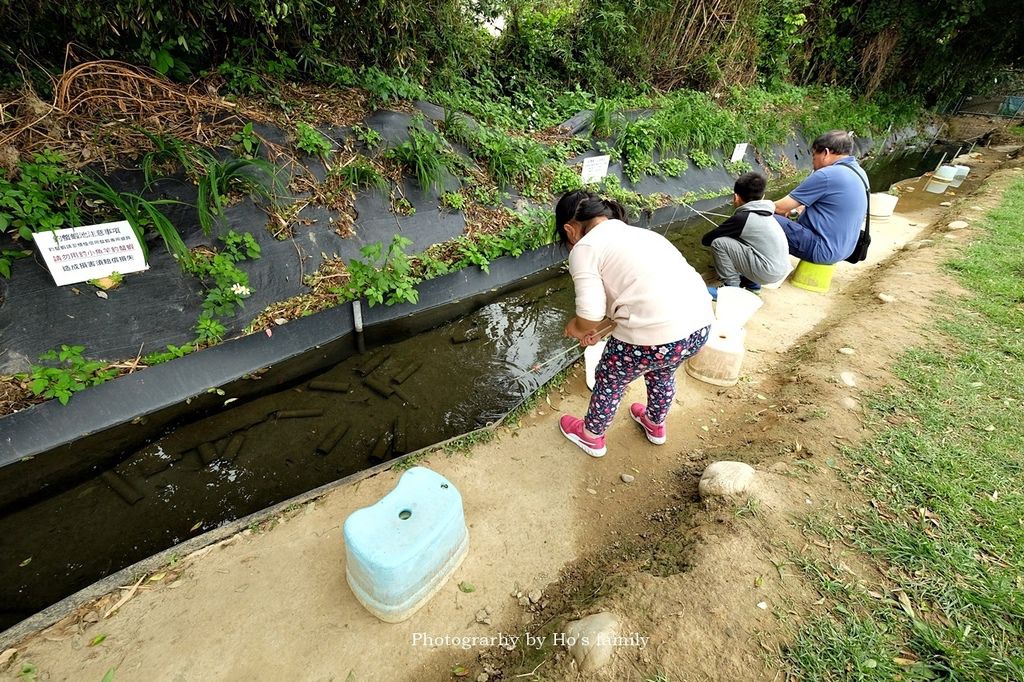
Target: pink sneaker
[572, 428]
[655, 432]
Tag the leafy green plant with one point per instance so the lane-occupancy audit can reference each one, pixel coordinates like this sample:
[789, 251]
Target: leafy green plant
[209, 330]
[688, 119]
[382, 276]
[247, 140]
[427, 266]
[370, 138]
[36, 200]
[672, 167]
[511, 159]
[701, 159]
[227, 284]
[488, 196]
[636, 146]
[738, 167]
[71, 374]
[311, 141]
[6, 257]
[172, 353]
[453, 200]
[384, 88]
[564, 179]
[422, 156]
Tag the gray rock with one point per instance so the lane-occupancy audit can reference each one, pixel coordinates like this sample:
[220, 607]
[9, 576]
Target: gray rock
[627, 478]
[958, 225]
[591, 640]
[850, 403]
[848, 378]
[918, 244]
[847, 351]
[725, 478]
[534, 596]
[886, 298]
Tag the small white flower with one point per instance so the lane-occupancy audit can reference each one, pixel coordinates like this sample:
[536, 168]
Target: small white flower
[240, 290]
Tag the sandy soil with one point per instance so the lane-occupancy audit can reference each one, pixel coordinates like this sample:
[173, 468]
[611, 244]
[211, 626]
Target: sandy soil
[273, 604]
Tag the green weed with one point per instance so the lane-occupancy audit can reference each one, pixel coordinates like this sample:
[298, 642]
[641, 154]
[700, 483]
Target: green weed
[605, 118]
[453, 201]
[701, 159]
[7, 256]
[382, 276]
[68, 374]
[359, 174]
[36, 199]
[370, 138]
[227, 284]
[422, 155]
[247, 141]
[311, 141]
[254, 177]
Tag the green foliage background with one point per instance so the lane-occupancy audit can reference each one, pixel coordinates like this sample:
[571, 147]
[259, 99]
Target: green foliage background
[920, 48]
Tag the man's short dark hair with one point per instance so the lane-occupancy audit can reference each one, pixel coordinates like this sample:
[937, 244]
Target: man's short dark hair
[750, 186]
[836, 141]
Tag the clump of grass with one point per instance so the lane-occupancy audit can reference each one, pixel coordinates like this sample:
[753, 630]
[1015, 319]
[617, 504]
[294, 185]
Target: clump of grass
[360, 174]
[140, 213]
[422, 155]
[254, 177]
[948, 486]
[605, 118]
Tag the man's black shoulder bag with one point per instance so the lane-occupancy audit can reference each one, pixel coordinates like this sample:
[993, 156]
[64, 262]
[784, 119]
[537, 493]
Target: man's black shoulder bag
[860, 252]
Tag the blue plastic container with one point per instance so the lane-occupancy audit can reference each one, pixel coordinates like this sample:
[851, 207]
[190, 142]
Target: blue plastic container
[402, 549]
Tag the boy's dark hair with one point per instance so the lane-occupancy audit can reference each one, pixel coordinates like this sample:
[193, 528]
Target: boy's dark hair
[583, 206]
[836, 141]
[750, 186]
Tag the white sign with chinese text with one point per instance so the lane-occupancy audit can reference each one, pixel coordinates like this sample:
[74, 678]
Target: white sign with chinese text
[595, 168]
[738, 152]
[78, 254]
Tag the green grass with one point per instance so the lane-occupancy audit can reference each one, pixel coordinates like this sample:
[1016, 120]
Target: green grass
[422, 155]
[947, 476]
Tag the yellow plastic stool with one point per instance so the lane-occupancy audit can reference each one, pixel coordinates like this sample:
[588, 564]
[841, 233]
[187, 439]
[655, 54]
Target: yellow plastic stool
[812, 276]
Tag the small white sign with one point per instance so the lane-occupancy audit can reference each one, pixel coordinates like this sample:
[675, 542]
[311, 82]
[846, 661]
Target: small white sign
[78, 254]
[595, 168]
[739, 152]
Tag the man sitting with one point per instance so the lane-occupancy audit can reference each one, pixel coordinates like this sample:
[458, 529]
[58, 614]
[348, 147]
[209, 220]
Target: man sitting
[750, 247]
[832, 203]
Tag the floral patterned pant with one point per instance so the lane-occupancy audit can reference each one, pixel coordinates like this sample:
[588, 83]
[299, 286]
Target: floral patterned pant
[623, 362]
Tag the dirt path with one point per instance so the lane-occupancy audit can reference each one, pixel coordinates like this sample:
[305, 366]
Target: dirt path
[273, 603]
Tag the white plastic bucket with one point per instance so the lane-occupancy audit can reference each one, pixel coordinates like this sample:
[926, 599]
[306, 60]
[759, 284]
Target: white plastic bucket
[961, 174]
[882, 205]
[591, 358]
[735, 307]
[720, 360]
